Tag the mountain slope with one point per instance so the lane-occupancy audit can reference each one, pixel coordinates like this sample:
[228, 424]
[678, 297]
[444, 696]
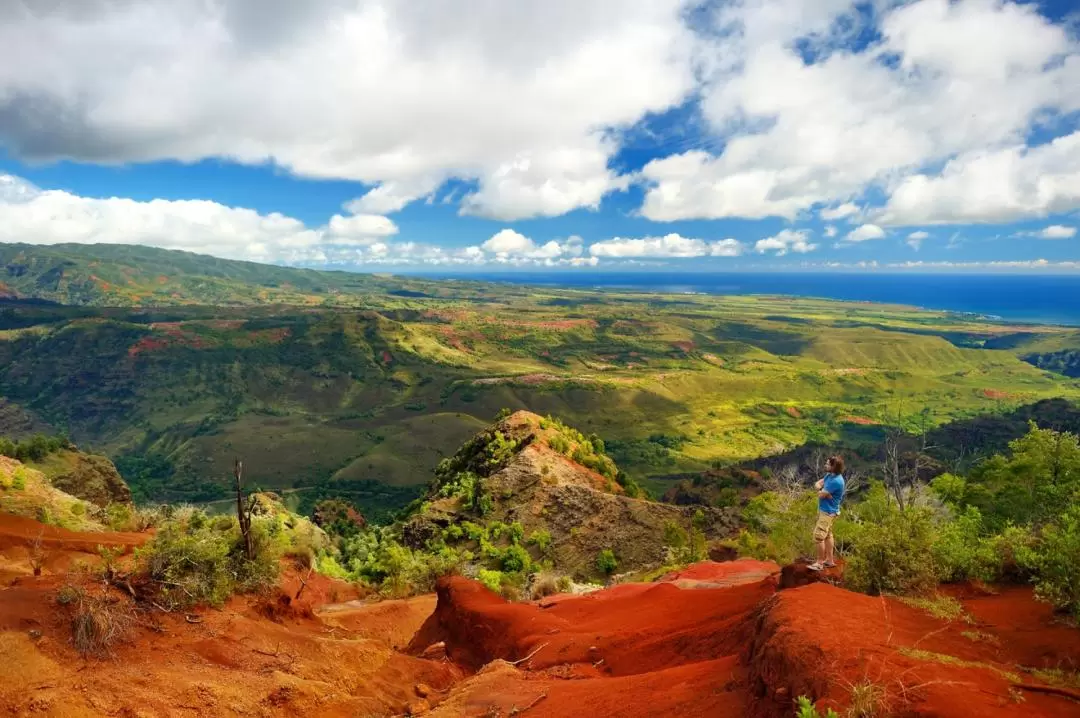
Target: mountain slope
[549, 480]
[132, 275]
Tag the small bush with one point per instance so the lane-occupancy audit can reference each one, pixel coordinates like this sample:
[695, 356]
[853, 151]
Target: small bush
[491, 579]
[515, 559]
[606, 562]
[543, 585]
[959, 550]
[894, 555]
[18, 479]
[1056, 561]
[542, 540]
[192, 562]
[804, 708]
[36, 554]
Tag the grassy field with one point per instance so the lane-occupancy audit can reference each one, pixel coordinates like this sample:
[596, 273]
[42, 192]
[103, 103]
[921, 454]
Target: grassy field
[369, 378]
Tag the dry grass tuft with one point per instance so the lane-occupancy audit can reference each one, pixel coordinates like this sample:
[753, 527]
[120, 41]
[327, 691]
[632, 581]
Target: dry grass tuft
[97, 622]
[945, 608]
[868, 700]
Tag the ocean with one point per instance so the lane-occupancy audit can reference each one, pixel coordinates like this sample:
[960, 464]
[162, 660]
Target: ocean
[1022, 298]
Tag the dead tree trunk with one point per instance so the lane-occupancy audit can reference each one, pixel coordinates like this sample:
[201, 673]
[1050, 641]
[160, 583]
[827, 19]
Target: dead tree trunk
[243, 513]
[894, 482]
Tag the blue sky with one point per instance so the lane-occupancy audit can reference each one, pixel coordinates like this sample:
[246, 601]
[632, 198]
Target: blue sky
[629, 134]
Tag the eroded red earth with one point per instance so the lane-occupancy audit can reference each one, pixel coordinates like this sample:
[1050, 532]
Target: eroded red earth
[715, 639]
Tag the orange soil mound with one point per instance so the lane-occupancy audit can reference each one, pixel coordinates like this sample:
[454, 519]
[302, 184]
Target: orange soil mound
[235, 661]
[630, 650]
[713, 574]
[1027, 632]
[61, 548]
[658, 650]
[820, 641]
[633, 628]
[18, 531]
[391, 622]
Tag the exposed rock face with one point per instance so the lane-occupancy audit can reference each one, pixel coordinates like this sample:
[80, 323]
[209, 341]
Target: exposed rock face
[89, 477]
[584, 511]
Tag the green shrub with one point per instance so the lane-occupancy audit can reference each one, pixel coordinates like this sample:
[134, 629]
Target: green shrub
[515, 532]
[1008, 555]
[959, 550]
[18, 479]
[194, 563]
[894, 554]
[606, 562]
[726, 498]
[804, 708]
[375, 557]
[542, 540]
[780, 526]
[1056, 562]
[515, 559]
[949, 488]
[491, 579]
[675, 536]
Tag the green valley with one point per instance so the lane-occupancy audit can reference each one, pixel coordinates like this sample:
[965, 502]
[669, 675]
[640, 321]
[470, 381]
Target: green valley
[330, 383]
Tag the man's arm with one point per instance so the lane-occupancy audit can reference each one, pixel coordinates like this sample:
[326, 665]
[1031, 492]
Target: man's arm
[824, 495]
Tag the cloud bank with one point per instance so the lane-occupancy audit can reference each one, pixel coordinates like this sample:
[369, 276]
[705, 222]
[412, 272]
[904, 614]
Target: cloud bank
[902, 114]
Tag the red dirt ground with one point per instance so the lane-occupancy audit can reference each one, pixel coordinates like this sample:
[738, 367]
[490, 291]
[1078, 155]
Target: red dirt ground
[678, 647]
[658, 650]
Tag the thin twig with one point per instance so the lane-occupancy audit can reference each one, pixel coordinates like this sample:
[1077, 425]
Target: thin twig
[522, 660]
[1052, 690]
[516, 711]
[303, 583]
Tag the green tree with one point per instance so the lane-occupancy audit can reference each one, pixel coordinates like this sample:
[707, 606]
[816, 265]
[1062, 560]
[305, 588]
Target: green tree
[606, 562]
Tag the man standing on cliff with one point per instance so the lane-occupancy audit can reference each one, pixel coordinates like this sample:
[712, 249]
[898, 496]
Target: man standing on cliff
[830, 495]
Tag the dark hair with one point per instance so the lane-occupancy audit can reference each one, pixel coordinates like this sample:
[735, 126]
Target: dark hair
[836, 464]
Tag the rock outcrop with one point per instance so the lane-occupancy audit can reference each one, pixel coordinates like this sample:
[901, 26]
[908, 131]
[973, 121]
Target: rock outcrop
[546, 490]
[87, 476]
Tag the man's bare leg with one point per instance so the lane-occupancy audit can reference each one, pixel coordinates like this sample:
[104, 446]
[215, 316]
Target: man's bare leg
[821, 551]
[829, 549]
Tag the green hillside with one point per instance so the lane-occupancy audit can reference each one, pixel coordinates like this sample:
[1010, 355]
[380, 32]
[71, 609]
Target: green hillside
[319, 379]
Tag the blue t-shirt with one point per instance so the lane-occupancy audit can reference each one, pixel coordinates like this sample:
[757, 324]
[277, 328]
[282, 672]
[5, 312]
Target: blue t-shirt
[834, 484]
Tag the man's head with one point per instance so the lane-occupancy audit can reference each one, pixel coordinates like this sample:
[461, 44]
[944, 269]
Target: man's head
[835, 465]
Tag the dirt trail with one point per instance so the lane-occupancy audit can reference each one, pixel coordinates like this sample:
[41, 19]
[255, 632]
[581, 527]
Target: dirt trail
[61, 549]
[19, 531]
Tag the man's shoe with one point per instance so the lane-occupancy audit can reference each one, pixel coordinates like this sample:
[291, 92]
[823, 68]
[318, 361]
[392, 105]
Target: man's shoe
[829, 564]
[815, 566]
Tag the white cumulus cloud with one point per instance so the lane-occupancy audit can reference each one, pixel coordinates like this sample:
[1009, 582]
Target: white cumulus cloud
[37, 216]
[508, 246]
[1002, 185]
[517, 97]
[784, 241]
[1057, 231]
[803, 117]
[865, 232]
[30, 214]
[916, 238]
[670, 245]
[834, 213]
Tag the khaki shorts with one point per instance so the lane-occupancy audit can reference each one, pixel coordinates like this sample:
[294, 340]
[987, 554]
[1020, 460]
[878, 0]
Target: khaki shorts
[823, 527]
